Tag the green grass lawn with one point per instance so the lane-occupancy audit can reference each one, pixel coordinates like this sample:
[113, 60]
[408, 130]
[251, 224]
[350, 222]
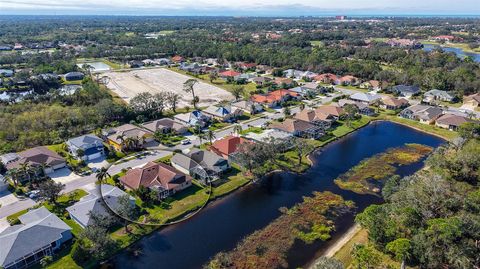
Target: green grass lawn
[317, 43]
[256, 130]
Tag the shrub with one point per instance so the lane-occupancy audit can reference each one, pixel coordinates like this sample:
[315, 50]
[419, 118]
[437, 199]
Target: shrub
[79, 253]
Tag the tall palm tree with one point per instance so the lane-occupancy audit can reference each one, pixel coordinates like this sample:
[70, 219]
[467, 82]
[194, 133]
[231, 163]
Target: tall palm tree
[188, 87]
[25, 169]
[201, 137]
[237, 129]
[12, 174]
[210, 135]
[102, 175]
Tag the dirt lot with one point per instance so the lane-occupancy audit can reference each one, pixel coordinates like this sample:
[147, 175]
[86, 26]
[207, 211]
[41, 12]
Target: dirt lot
[128, 84]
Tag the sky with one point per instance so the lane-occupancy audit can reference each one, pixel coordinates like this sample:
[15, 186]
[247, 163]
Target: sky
[241, 7]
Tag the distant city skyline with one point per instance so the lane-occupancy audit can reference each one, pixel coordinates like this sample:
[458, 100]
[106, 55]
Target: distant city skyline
[240, 8]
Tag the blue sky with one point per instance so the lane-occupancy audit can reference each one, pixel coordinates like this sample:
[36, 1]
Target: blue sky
[242, 7]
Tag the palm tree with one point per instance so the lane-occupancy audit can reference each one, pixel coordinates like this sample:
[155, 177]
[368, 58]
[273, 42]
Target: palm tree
[188, 88]
[172, 99]
[12, 174]
[42, 168]
[102, 175]
[201, 137]
[210, 135]
[238, 91]
[25, 169]
[87, 68]
[237, 129]
[286, 111]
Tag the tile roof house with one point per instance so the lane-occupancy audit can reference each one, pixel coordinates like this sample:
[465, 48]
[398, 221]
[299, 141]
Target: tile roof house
[315, 117]
[178, 59]
[348, 80]
[275, 98]
[229, 74]
[166, 125]
[227, 146]
[260, 80]
[248, 106]
[38, 156]
[201, 164]
[423, 113]
[284, 82]
[193, 118]
[299, 128]
[451, 121]
[223, 113]
[327, 78]
[40, 234]
[94, 203]
[432, 95]
[159, 176]
[472, 101]
[91, 145]
[127, 131]
[393, 103]
[331, 111]
[406, 90]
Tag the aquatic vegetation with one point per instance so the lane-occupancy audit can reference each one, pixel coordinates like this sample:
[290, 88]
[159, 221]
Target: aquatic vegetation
[310, 220]
[367, 176]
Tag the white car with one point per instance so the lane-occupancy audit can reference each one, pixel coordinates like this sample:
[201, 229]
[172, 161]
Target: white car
[185, 141]
[33, 194]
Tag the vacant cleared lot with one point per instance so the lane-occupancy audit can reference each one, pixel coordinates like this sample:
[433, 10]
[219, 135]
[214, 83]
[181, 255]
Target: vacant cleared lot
[128, 84]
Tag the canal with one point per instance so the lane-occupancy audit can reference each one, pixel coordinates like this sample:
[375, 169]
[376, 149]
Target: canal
[225, 222]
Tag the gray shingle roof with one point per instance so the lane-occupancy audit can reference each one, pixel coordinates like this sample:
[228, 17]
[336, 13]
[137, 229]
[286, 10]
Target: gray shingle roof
[93, 203]
[39, 228]
[85, 141]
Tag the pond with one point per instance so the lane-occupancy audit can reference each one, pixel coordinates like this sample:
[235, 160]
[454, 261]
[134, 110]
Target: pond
[225, 222]
[459, 52]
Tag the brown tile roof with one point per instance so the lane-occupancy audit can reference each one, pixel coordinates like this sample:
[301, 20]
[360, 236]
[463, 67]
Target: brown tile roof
[271, 97]
[311, 115]
[229, 73]
[154, 175]
[37, 156]
[392, 101]
[128, 130]
[293, 125]
[330, 110]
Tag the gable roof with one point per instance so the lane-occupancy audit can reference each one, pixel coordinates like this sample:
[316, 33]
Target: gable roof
[330, 110]
[229, 73]
[406, 89]
[36, 157]
[128, 130]
[197, 157]
[163, 123]
[454, 120]
[365, 97]
[39, 228]
[392, 101]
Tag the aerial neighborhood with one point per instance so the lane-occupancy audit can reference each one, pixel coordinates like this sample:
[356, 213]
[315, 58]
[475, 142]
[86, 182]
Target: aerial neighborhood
[120, 145]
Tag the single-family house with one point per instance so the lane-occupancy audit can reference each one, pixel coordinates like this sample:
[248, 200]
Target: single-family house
[136, 64]
[40, 158]
[292, 73]
[423, 113]
[307, 89]
[261, 81]
[472, 101]
[162, 61]
[284, 82]
[451, 121]
[86, 147]
[299, 128]
[225, 113]
[406, 90]
[6, 72]
[100, 201]
[327, 78]
[201, 164]
[74, 76]
[178, 59]
[227, 146]
[348, 80]
[166, 125]
[117, 135]
[393, 103]
[248, 106]
[311, 116]
[229, 74]
[269, 134]
[39, 234]
[246, 66]
[274, 98]
[244, 77]
[367, 98]
[333, 112]
[374, 85]
[193, 118]
[363, 108]
[163, 178]
[437, 95]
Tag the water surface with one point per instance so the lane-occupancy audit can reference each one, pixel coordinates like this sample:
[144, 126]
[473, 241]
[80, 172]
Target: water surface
[224, 223]
[459, 52]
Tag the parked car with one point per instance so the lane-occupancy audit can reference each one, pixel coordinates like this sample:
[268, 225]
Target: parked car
[33, 194]
[185, 141]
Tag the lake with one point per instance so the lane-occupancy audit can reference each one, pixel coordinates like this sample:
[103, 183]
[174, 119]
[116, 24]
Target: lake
[225, 222]
[460, 53]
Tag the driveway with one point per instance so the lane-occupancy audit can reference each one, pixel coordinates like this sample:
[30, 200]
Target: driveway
[63, 175]
[4, 224]
[7, 198]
